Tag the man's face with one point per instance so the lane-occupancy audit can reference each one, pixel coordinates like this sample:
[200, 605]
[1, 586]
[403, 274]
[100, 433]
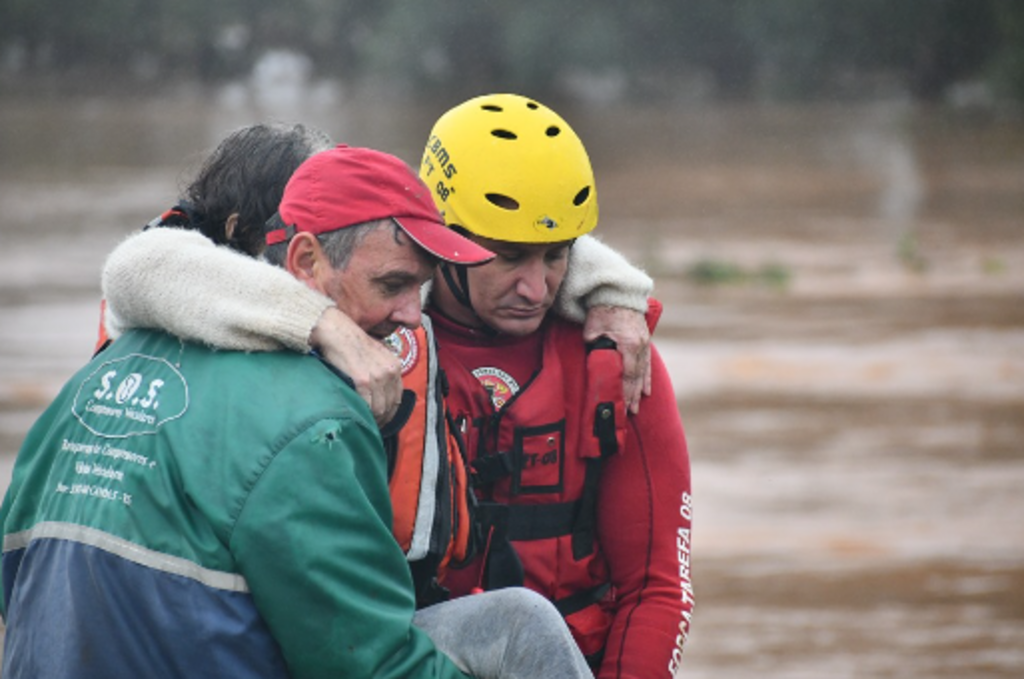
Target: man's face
[513, 293]
[379, 288]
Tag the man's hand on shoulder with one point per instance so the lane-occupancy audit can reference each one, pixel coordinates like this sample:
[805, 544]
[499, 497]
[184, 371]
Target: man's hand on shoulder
[628, 329]
[375, 370]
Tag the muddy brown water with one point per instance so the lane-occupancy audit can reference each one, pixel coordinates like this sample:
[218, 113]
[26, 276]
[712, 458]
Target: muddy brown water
[844, 291]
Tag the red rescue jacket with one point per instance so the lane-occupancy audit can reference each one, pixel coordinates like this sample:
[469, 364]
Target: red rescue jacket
[535, 464]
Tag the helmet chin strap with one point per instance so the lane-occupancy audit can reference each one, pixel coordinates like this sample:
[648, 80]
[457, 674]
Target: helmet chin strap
[460, 290]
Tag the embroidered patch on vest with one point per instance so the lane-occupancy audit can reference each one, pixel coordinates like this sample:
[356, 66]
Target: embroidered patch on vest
[498, 383]
[403, 343]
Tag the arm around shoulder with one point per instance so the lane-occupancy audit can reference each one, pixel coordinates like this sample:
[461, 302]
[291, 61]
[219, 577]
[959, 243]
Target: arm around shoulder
[180, 281]
[600, 276]
[610, 296]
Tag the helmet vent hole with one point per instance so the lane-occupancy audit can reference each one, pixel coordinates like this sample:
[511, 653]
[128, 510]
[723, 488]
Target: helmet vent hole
[502, 201]
[504, 134]
[492, 107]
[553, 131]
[582, 196]
[532, 106]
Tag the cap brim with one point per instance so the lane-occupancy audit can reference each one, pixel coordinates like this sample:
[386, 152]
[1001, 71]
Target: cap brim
[443, 243]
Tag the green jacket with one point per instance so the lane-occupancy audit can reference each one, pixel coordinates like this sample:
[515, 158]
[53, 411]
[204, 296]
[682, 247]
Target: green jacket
[179, 511]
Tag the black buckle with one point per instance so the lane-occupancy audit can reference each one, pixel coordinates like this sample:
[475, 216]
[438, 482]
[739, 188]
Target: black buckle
[490, 468]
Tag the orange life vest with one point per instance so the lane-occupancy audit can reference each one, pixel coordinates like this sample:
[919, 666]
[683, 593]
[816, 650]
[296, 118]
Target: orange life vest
[430, 496]
[102, 338]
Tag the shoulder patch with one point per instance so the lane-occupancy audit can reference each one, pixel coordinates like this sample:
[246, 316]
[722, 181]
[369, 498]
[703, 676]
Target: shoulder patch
[404, 345]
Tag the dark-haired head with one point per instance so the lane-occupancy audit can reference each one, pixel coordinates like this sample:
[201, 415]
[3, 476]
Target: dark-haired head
[240, 184]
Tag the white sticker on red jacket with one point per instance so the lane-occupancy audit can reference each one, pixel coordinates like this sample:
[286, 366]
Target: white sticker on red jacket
[498, 383]
[403, 343]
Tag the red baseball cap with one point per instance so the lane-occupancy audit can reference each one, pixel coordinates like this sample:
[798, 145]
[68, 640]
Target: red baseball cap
[345, 186]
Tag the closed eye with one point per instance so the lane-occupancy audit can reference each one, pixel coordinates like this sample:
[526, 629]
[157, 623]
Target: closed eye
[556, 255]
[391, 286]
[512, 257]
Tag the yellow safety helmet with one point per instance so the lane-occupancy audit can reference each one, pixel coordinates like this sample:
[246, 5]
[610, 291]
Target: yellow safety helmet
[507, 168]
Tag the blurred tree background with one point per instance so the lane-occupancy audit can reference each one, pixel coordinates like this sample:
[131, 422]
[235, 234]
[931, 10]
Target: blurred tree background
[649, 50]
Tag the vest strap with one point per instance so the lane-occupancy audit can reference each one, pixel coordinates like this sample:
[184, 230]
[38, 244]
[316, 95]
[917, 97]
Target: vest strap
[539, 522]
[584, 530]
[487, 469]
[502, 566]
[594, 660]
[577, 601]
[460, 289]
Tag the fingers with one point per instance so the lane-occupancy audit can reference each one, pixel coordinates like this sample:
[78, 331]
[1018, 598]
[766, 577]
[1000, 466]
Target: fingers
[379, 382]
[632, 380]
[366, 393]
[372, 367]
[629, 331]
[642, 380]
[391, 396]
[647, 371]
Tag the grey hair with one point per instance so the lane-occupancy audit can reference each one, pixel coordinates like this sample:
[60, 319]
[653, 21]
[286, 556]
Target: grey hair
[338, 245]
